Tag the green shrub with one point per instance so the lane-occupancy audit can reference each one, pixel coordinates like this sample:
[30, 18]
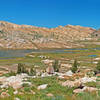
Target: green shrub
[32, 72]
[10, 74]
[91, 84]
[25, 85]
[21, 68]
[27, 89]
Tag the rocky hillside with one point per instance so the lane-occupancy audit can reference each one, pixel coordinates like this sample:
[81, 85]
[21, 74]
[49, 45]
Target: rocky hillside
[14, 36]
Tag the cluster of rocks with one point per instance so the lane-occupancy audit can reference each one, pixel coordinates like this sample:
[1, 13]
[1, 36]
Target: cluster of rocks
[80, 83]
[85, 89]
[70, 79]
[13, 81]
[16, 82]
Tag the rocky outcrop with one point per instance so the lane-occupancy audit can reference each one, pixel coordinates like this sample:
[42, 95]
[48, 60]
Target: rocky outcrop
[78, 82]
[86, 89]
[13, 81]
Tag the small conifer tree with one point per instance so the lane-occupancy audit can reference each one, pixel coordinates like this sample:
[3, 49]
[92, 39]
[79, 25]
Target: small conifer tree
[97, 69]
[74, 67]
[19, 70]
[32, 72]
[56, 66]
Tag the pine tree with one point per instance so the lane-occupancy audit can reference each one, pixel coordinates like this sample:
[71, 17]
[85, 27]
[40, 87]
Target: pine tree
[19, 68]
[56, 66]
[31, 71]
[74, 67]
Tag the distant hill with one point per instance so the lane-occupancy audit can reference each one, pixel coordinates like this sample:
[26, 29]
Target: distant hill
[15, 36]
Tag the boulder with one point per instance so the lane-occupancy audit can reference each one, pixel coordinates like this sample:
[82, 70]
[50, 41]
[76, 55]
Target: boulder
[47, 61]
[42, 86]
[13, 81]
[85, 89]
[4, 94]
[69, 73]
[15, 92]
[78, 91]
[89, 89]
[64, 68]
[88, 79]
[50, 70]
[68, 83]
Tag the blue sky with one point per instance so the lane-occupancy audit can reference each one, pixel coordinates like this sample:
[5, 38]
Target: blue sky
[51, 13]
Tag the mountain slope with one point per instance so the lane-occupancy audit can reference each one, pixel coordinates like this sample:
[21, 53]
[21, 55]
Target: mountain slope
[15, 36]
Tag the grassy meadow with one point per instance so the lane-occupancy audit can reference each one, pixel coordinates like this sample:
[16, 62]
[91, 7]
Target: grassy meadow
[84, 57]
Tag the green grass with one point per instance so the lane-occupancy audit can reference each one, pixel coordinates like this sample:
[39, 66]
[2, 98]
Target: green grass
[59, 92]
[87, 96]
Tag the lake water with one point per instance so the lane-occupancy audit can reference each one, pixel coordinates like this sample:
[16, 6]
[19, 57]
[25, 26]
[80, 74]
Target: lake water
[13, 53]
[22, 53]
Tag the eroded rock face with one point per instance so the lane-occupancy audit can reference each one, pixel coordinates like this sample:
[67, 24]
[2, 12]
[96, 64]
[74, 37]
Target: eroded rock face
[28, 37]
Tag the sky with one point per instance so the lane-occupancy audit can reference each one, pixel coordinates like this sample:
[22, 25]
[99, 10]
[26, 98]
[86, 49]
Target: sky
[51, 13]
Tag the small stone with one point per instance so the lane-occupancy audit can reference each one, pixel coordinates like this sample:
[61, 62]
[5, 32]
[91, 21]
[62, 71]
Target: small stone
[21, 93]
[50, 95]
[15, 92]
[16, 99]
[33, 92]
